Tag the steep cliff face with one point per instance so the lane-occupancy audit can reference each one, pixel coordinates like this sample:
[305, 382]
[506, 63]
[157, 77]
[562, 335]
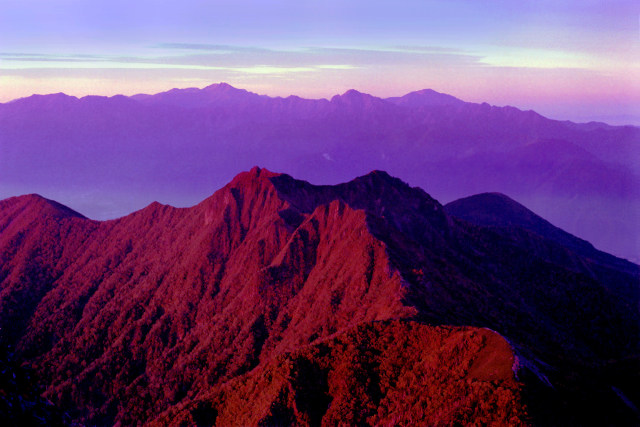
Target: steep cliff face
[181, 312]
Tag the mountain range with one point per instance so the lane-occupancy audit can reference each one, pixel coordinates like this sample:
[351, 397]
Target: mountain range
[109, 156]
[278, 302]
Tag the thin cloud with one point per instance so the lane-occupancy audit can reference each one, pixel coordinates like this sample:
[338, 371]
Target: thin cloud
[51, 59]
[427, 49]
[207, 47]
[224, 56]
[336, 67]
[22, 56]
[266, 69]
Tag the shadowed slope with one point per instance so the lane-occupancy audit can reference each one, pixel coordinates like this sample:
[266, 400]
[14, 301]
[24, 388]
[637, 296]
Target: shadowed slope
[495, 209]
[509, 217]
[20, 400]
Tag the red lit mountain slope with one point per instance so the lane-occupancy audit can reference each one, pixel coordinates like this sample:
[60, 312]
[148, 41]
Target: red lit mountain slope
[382, 373]
[188, 311]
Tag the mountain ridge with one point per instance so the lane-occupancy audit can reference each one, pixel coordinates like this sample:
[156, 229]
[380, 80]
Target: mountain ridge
[171, 302]
[418, 98]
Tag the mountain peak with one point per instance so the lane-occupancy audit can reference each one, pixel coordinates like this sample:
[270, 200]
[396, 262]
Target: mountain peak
[492, 209]
[380, 173]
[48, 100]
[499, 210]
[255, 173]
[218, 94]
[381, 177]
[222, 86]
[226, 91]
[353, 93]
[251, 186]
[353, 96]
[425, 98]
[38, 205]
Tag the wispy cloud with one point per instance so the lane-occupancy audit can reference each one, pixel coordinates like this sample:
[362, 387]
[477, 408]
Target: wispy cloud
[206, 47]
[44, 57]
[253, 60]
[336, 67]
[535, 58]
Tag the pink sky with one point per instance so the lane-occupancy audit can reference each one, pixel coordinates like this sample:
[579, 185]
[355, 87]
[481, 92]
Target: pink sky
[575, 60]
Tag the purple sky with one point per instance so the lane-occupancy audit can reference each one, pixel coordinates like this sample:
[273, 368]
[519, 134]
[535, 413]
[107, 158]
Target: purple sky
[576, 60]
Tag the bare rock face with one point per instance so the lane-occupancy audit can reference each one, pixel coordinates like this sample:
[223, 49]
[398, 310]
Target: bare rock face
[310, 305]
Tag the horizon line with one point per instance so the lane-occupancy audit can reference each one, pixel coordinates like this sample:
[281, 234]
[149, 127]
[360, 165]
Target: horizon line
[328, 99]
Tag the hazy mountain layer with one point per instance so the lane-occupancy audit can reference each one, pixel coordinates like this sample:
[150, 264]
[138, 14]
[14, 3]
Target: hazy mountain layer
[109, 156]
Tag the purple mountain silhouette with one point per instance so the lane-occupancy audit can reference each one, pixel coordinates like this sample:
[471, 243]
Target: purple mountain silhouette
[106, 157]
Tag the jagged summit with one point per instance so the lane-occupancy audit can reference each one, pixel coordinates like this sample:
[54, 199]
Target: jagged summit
[257, 172]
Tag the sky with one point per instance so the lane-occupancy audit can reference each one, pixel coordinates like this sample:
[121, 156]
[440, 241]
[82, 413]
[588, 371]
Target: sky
[577, 60]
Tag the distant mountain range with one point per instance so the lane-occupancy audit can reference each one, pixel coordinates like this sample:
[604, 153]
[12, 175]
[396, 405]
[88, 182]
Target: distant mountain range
[109, 156]
[279, 302]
